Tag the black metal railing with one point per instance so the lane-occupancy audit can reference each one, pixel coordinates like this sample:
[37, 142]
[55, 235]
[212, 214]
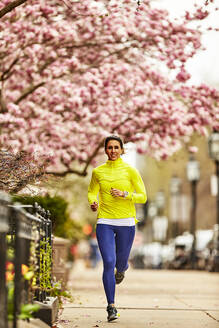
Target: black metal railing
[25, 239]
[4, 229]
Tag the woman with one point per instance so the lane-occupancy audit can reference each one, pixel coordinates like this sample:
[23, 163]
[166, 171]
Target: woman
[119, 186]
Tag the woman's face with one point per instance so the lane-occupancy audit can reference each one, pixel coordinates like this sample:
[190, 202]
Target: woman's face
[113, 150]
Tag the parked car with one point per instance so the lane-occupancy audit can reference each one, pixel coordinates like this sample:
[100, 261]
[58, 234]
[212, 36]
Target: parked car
[177, 253]
[147, 256]
[183, 247]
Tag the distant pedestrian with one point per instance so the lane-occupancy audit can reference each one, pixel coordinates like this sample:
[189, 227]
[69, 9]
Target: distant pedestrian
[94, 251]
[119, 186]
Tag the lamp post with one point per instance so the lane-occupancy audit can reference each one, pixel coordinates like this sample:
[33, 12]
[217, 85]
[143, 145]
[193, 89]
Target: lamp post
[175, 191]
[160, 201]
[152, 213]
[213, 147]
[160, 222]
[193, 175]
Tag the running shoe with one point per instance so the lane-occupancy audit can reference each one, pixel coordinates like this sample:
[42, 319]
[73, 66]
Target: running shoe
[119, 276]
[112, 313]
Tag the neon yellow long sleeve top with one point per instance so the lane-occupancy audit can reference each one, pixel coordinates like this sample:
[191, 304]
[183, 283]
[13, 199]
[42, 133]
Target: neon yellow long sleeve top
[120, 175]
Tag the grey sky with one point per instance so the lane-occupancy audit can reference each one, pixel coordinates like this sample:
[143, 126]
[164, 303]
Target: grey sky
[204, 67]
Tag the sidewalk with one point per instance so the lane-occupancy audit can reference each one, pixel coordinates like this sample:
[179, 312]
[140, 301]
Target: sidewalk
[146, 298]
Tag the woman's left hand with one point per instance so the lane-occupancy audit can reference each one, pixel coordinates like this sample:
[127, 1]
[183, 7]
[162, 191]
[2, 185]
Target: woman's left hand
[116, 192]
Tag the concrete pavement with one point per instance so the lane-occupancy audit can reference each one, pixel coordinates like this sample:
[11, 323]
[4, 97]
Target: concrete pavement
[146, 298]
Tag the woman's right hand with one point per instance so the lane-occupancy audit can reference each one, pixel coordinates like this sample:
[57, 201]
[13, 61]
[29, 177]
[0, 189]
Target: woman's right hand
[94, 206]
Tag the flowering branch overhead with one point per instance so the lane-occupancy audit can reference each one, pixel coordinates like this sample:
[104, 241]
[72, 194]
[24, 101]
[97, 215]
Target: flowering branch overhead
[71, 72]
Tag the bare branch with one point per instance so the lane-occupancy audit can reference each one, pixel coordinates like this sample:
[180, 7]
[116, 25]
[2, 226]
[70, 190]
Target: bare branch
[17, 170]
[69, 171]
[89, 160]
[93, 156]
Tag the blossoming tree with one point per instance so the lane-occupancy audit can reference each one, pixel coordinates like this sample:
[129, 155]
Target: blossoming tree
[72, 72]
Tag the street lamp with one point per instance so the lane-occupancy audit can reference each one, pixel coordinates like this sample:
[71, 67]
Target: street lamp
[175, 193]
[175, 185]
[213, 148]
[193, 175]
[152, 213]
[160, 201]
[160, 222]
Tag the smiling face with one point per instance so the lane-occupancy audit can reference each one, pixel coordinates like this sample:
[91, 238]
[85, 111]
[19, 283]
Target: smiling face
[113, 150]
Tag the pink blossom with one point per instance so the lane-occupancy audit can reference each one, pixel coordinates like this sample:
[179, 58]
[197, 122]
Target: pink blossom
[183, 75]
[193, 149]
[91, 73]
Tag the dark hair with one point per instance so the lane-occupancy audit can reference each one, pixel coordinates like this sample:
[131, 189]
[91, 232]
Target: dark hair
[113, 137]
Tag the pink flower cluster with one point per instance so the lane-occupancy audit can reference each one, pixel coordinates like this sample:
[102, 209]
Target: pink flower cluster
[73, 72]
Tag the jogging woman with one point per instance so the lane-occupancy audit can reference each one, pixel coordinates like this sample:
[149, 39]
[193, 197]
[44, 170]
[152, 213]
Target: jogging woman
[118, 186]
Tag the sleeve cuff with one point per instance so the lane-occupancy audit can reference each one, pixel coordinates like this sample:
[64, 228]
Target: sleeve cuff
[92, 200]
[129, 196]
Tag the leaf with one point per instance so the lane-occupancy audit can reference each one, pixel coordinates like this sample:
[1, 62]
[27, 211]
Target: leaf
[29, 308]
[29, 275]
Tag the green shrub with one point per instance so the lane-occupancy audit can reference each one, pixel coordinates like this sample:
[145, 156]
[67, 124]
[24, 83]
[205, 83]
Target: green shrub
[63, 225]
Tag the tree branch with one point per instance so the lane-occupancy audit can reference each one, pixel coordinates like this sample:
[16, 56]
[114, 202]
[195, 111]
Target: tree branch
[10, 7]
[17, 170]
[28, 91]
[3, 107]
[70, 171]
[6, 74]
[83, 172]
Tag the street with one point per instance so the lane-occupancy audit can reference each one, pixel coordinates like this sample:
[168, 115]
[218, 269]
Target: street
[146, 298]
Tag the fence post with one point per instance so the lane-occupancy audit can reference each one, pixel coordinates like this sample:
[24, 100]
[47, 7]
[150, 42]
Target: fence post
[22, 230]
[4, 227]
[49, 223]
[17, 268]
[40, 295]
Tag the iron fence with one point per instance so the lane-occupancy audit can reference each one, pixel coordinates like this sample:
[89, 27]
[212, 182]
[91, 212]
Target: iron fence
[25, 240]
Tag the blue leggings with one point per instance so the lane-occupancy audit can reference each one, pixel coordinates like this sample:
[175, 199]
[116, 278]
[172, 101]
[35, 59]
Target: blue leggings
[115, 244]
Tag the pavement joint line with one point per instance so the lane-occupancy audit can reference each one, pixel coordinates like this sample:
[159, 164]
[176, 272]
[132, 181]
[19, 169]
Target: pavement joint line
[211, 316]
[141, 309]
